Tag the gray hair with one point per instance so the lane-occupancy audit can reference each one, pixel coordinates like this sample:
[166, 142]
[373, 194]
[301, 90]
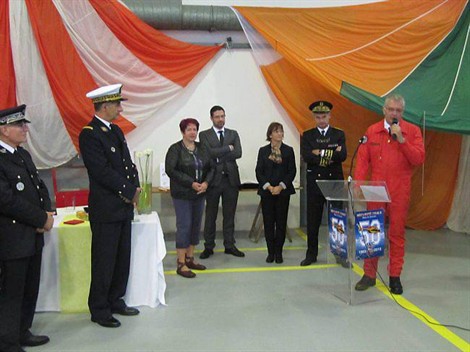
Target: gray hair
[395, 97]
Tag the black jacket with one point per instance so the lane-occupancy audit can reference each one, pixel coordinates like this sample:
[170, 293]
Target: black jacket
[223, 158]
[269, 171]
[24, 200]
[312, 139]
[112, 174]
[180, 168]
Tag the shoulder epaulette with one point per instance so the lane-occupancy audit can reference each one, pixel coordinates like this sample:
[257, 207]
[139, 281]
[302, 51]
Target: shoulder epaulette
[88, 127]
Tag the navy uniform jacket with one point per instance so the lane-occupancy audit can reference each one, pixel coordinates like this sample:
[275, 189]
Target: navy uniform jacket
[312, 139]
[24, 200]
[112, 174]
[224, 158]
[269, 171]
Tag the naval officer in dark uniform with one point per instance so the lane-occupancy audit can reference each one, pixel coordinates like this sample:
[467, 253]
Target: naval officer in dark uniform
[25, 213]
[114, 190]
[323, 148]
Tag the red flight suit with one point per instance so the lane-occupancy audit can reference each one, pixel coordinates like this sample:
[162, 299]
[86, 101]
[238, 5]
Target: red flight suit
[393, 163]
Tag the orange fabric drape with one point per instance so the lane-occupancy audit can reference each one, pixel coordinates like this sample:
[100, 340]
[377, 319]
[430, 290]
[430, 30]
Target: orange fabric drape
[154, 48]
[295, 90]
[430, 211]
[372, 46]
[68, 77]
[7, 71]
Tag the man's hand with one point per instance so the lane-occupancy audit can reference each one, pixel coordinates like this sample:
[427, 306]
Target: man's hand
[49, 222]
[135, 200]
[316, 152]
[395, 129]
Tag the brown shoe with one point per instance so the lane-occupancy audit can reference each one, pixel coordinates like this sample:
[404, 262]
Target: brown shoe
[192, 265]
[184, 273]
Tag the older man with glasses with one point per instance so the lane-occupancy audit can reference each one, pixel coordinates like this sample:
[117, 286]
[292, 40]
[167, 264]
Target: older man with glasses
[393, 149]
[25, 214]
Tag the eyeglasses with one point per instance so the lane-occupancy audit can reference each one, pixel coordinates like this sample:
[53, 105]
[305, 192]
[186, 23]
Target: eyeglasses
[393, 110]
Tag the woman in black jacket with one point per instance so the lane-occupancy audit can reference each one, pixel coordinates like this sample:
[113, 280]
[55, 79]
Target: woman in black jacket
[188, 165]
[275, 171]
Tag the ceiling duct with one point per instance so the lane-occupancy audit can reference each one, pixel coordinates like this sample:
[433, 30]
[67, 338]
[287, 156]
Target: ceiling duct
[173, 15]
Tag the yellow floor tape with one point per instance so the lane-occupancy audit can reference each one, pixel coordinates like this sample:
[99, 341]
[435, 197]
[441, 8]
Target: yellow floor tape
[441, 330]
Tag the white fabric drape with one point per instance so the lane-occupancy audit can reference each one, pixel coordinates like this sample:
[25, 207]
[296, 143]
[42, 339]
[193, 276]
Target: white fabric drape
[41, 108]
[107, 58]
[262, 51]
[459, 218]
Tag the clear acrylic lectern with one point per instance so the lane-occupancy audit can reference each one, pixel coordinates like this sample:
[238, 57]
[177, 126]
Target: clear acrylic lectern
[349, 198]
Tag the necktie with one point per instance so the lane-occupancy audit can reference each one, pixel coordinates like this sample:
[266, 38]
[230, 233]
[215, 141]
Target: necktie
[323, 133]
[112, 127]
[221, 137]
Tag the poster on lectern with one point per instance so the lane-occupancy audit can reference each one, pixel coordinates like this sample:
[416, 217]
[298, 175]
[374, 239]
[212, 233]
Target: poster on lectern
[337, 222]
[370, 234]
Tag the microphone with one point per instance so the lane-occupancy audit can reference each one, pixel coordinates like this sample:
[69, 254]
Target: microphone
[394, 122]
[362, 140]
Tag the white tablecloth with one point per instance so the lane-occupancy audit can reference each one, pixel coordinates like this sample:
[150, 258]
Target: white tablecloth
[146, 286]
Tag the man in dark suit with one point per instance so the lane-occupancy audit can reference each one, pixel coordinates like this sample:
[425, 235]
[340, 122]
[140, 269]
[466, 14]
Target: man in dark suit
[114, 190]
[225, 148]
[323, 148]
[25, 213]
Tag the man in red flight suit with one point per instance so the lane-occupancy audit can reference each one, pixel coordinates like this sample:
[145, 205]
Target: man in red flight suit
[393, 149]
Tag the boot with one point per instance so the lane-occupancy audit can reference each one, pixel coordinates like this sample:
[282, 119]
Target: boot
[395, 285]
[364, 283]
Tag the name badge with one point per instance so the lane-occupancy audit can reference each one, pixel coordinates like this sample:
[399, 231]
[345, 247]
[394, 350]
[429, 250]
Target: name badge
[20, 186]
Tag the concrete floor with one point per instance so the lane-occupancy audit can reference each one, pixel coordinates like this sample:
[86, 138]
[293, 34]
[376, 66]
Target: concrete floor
[245, 304]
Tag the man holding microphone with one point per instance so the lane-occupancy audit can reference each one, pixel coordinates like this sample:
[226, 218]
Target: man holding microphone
[392, 150]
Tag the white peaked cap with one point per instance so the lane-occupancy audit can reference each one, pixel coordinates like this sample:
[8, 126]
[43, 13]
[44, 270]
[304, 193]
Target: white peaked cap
[106, 93]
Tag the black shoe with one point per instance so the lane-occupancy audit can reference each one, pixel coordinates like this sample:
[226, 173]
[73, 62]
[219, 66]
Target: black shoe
[234, 251]
[307, 261]
[270, 258]
[126, 311]
[395, 285]
[206, 253]
[110, 322]
[364, 283]
[343, 261]
[30, 340]
[279, 259]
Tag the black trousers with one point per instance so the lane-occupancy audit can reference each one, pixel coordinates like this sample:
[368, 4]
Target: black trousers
[110, 262]
[275, 210]
[19, 288]
[229, 196]
[315, 205]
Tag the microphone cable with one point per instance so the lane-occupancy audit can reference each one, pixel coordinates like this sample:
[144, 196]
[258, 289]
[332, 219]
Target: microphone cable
[363, 140]
[413, 311]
